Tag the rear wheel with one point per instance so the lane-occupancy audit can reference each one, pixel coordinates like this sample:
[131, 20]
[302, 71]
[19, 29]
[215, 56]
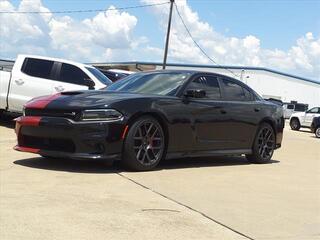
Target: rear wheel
[263, 145]
[295, 124]
[144, 145]
[317, 132]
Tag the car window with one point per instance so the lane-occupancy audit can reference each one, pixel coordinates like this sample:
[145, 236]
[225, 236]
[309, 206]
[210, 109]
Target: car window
[208, 83]
[235, 92]
[313, 110]
[99, 75]
[37, 67]
[111, 76]
[247, 95]
[290, 106]
[300, 107]
[161, 83]
[72, 74]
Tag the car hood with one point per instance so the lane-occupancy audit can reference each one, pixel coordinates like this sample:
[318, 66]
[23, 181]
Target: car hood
[83, 99]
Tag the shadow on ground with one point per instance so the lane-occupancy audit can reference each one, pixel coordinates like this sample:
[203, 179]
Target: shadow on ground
[7, 120]
[305, 131]
[69, 165]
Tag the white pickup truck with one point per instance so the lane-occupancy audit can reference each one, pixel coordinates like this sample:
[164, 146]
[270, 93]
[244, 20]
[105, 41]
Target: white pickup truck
[34, 76]
[304, 119]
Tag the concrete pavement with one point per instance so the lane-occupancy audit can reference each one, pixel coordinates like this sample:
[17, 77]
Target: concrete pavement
[205, 198]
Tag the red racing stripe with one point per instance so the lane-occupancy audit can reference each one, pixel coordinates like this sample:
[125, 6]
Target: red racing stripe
[26, 149]
[41, 102]
[28, 121]
[25, 121]
[124, 133]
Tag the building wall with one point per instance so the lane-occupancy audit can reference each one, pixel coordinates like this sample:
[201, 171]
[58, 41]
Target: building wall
[269, 84]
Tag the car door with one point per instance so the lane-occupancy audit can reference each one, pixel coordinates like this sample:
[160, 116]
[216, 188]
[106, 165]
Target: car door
[243, 114]
[69, 78]
[32, 80]
[310, 114]
[207, 114]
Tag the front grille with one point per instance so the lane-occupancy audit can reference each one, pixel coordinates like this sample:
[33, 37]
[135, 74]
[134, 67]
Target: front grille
[73, 115]
[50, 144]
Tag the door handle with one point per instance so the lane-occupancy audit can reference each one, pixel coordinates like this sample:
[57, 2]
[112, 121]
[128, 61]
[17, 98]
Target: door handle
[19, 81]
[257, 109]
[59, 88]
[223, 111]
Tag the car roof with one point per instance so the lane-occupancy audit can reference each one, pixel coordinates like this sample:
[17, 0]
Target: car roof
[175, 71]
[193, 72]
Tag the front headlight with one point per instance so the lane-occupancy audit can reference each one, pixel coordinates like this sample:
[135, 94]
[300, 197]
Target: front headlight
[101, 115]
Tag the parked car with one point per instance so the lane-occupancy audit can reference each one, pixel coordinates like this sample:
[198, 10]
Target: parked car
[149, 116]
[293, 107]
[315, 126]
[304, 119]
[116, 74]
[34, 76]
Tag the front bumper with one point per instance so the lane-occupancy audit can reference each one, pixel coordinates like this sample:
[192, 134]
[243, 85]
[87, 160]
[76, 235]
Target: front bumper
[62, 137]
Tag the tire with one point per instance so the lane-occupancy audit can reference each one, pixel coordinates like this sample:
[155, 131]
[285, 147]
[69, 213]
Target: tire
[295, 124]
[144, 146]
[264, 145]
[317, 132]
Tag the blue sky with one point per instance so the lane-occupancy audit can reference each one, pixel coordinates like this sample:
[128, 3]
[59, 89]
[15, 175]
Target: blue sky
[278, 23]
[275, 26]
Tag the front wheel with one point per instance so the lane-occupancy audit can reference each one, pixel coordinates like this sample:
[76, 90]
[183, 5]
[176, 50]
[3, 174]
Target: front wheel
[295, 124]
[317, 132]
[263, 146]
[144, 145]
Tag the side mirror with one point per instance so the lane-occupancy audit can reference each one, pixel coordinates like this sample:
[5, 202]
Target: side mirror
[88, 82]
[195, 93]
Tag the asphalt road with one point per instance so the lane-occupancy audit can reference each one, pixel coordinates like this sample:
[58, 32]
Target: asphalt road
[203, 198]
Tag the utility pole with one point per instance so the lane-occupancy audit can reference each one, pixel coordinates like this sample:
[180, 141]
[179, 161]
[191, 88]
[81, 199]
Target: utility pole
[168, 35]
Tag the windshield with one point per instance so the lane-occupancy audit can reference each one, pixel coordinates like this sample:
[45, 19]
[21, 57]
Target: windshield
[166, 83]
[100, 76]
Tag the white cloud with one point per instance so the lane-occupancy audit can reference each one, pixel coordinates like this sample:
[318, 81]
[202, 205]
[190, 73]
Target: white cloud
[110, 36]
[92, 39]
[303, 58]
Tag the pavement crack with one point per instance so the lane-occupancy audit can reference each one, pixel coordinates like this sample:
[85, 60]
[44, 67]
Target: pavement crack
[159, 209]
[186, 206]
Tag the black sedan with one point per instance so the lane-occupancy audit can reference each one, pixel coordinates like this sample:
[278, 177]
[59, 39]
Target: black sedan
[150, 116]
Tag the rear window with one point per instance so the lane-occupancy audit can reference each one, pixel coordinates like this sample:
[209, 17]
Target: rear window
[290, 106]
[37, 68]
[72, 74]
[235, 92]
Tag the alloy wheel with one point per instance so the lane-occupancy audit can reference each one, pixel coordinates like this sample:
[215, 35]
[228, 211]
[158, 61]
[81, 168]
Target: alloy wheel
[148, 143]
[266, 140]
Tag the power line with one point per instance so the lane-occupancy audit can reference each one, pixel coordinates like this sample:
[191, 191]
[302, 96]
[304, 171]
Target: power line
[84, 11]
[200, 48]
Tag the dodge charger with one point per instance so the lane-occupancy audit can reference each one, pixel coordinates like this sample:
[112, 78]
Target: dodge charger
[150, 116]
